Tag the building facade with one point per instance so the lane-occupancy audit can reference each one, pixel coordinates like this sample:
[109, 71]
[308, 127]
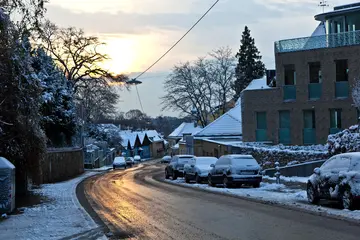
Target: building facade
[314, 77]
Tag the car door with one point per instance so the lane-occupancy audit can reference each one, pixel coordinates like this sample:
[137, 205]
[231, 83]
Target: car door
[172, 165]
[329, 175]
[219, 168]
[191, 167]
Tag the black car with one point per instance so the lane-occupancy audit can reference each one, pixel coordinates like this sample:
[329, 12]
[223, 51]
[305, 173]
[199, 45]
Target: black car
[176, 167]
[129, 161]
[337, 179]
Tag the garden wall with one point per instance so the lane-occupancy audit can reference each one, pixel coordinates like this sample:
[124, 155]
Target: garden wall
[62, 164]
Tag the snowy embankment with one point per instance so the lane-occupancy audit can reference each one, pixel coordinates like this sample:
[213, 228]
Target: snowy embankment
[60, 217]
[289, 179]
[279, 194]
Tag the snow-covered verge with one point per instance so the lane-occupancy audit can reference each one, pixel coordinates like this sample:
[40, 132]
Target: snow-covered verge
[62, 216]
[279, 194]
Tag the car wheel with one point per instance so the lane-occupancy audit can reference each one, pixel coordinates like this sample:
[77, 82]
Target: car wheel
[114, 167]
[166, 175]
[174, 175]
[211, 184]
[256, 185]
[187, 179]
[198, 179]
[347, 199]
[312, 194]
[226, 182]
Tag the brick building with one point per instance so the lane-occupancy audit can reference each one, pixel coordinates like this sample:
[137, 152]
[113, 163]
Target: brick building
[314, 75]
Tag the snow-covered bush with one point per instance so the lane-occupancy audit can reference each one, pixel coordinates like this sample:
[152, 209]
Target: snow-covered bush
[106, 132]
[345, 141]
[58, 108]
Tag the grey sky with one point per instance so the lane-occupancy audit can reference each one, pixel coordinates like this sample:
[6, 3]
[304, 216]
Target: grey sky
[144, 29]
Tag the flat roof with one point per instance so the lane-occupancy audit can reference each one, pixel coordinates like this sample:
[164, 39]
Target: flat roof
[339, 10]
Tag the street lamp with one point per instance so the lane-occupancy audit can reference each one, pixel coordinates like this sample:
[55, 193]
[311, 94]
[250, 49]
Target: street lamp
[134, 81]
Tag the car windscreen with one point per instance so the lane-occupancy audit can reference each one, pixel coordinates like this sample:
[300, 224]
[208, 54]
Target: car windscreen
[186, 160]
[119, 160]
[205, 161]
[244, 161]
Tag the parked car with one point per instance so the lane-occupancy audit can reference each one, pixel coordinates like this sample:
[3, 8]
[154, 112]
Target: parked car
[166, 159]
[176, 167]
[129, 161]
[137, 159]
[337, 179]
[232, 170]
[199, 170]
[119, 162]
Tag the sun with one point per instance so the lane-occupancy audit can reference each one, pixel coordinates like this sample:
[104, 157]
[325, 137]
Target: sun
[122, 54]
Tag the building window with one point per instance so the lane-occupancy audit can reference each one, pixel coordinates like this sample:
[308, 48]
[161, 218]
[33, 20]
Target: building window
[309, 119]
[290, 74]
[315, 72]
[342, 70]
[284, 127]
[261, 132]
[335, 118]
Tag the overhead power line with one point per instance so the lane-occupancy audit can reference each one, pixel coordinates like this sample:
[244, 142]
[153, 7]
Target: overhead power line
[176, 43]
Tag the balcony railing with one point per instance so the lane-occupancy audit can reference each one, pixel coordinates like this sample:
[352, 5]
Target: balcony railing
[316, 42]
[342, 89]
[309, 136]
[315, 90]
[289, 92]
[261, 135]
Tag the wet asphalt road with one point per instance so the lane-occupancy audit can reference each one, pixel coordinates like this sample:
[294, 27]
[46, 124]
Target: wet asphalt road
[135, 205]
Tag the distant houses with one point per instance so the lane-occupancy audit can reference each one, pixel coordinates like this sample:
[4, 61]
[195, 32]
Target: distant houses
[147, 144]
[177, 139]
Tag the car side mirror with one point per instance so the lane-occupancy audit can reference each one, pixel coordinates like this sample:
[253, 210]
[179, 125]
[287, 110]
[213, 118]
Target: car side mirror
[212, 165]
[317, 171]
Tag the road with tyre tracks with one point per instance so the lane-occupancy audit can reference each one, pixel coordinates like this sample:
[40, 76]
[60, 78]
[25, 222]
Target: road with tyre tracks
[137, 204]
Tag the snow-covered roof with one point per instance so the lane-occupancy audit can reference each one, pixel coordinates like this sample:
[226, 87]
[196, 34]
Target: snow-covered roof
[257, 84]
[5, 164]
[185, 128]
[176, 146]
[229, 124]
[154, 136]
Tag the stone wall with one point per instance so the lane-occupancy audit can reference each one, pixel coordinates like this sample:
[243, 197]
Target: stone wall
[62, 164]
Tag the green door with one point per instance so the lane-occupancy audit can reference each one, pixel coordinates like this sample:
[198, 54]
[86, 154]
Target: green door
[261, 127]
[284, 127]
[309, 132]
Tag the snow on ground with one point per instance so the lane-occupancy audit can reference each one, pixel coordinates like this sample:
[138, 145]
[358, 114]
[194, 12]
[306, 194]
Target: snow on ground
[277, 193]
[289, 179]
[62, 216]
[104, 168]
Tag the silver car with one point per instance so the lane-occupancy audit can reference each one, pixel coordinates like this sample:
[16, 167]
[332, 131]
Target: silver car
[199, 170]
[232, 170]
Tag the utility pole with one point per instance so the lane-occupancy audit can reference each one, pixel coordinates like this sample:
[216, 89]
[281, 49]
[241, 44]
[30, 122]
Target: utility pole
[323, 4]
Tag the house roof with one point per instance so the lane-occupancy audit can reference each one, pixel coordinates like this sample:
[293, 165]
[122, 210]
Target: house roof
[229, 124]
[257, 84]
[184, 128]
[320, 30]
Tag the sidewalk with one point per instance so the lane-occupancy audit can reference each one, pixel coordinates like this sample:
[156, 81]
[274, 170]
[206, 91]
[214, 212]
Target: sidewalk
[62, 217]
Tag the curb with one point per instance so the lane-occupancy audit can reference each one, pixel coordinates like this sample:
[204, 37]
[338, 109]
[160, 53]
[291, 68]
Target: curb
[262, 201]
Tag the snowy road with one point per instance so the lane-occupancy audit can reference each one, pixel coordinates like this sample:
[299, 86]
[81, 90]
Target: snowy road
[135, 205]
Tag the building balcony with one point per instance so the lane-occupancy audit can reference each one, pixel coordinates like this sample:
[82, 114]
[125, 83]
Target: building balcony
[342, 89]
[315, 91]
[284, 136]
[309, 136]
[289, 92]
[318, 42]
[261, 135]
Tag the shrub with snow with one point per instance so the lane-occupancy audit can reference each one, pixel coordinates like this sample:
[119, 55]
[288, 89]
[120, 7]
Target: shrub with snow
[345, 141]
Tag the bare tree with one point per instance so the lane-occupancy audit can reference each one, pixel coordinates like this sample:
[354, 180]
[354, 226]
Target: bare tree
[223, 75]
[98, 100]
[199, 88]
[76, 54]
